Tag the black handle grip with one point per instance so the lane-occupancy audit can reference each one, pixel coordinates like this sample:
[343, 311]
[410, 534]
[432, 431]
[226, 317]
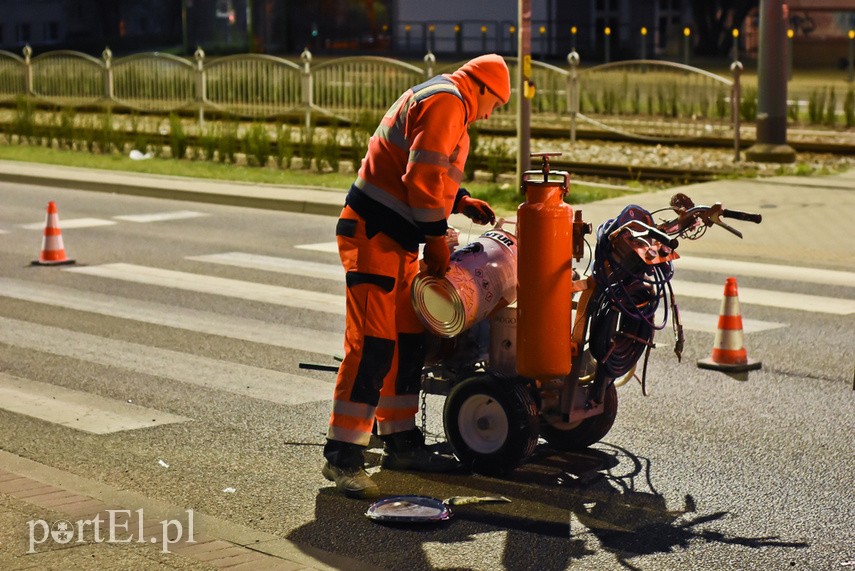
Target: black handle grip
[664, 238]
[739, 215]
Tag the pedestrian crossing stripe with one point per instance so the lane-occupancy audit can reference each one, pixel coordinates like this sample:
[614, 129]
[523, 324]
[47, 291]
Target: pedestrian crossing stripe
[231, 326]
[160, 216]
[768, 298]
[72, 223]
[766, 271]
[76, 409]
[696, 321]
[274, 264]
[329, 247]
[278, 295]
[246, 380]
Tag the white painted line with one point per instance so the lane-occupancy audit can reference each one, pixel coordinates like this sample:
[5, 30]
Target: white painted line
[76, 409]
[160, 216]
[707, 322]
[73, 223]
[233, 327]
[265, 293]
[3, 231]
[768, 298]
[768, 271]
[320, 247]
[274, 264]
[254, 382]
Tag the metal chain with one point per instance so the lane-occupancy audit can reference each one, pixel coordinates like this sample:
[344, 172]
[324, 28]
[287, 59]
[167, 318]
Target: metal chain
[423, 396]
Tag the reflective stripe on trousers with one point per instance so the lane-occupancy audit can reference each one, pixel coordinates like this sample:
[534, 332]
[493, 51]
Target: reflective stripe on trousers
[380, 375]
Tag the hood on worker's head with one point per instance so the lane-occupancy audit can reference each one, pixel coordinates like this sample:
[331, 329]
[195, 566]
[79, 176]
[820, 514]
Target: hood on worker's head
[492, 71]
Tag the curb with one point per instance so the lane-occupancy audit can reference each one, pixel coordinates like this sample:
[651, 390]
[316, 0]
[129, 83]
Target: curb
[264, 196]
[217, 542]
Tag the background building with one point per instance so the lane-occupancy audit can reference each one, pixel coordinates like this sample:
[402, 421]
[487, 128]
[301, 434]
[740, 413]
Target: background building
[409, 28]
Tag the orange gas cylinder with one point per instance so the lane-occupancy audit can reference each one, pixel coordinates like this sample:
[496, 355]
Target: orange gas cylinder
[544, 274]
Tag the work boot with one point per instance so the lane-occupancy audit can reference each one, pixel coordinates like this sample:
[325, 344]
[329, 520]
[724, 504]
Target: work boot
[407, 451]
[353, 482]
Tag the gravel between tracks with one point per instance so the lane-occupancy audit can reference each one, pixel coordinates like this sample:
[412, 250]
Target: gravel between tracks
[719, 160]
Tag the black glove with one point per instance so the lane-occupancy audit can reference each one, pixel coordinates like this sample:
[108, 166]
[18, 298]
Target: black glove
[476, 210]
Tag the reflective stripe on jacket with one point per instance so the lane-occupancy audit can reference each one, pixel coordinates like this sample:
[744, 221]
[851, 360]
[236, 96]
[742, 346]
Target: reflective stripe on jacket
[410, 178]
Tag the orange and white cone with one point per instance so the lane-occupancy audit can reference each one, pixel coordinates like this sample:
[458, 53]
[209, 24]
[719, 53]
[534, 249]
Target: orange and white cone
[729, 352]
[53, 251]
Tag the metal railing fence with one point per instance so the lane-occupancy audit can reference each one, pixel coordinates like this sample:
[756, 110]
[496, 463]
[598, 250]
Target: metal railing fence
[647, 100]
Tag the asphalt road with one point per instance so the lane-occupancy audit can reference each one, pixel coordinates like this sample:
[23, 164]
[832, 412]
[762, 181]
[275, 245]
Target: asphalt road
[707, 472]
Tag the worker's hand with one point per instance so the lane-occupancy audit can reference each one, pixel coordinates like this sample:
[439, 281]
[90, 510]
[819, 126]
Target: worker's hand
[476, 210]
[437, 256]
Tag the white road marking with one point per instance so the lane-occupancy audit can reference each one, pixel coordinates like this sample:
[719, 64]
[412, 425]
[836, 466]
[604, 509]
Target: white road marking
[255, 382]
[290, 297]
[76, 409]
[768, 298]
[275, 264]
[768, 271]
[160, 216]
[233, 327]
[320, 247]
[73, 223]
[707, 322]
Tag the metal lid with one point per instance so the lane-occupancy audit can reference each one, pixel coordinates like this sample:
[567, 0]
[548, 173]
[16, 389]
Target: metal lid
[438, 305]
[409, 509]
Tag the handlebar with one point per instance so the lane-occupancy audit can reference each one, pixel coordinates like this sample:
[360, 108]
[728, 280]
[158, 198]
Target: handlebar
[739, 215]
[646, 230]
[692, 220]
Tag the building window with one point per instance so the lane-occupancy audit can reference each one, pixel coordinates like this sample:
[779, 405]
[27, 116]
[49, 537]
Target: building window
[51, 32]
[22, 33]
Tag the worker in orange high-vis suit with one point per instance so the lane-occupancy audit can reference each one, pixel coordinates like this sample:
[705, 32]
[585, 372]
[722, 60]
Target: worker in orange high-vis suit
[407, 187]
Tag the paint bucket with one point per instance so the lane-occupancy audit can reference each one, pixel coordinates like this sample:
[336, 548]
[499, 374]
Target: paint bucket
[482, 277]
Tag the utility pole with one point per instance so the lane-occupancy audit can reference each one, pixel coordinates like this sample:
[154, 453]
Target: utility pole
[771, 144]
[184, 41]
[525, 90]
[250, 33]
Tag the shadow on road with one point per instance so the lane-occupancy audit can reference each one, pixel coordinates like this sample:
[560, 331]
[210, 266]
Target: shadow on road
[560, 502]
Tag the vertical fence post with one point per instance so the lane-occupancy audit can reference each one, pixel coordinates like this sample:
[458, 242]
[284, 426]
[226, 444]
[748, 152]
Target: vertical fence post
[484, 39]
[431, 38]
[735, 104]
[573, 92]
[429, 60]
[308, 86]
[28, 70]
[542, 31]
[573, 31]
[107, 56]
[201, 84]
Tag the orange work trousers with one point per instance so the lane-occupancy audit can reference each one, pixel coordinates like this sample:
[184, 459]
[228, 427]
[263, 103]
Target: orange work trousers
[384, 341]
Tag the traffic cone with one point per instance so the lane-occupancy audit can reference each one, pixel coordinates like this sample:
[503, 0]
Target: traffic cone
[729, 352]
[53, 252]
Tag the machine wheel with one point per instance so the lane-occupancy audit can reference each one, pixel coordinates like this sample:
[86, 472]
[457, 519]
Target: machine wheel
[587, 431]
[492, 424]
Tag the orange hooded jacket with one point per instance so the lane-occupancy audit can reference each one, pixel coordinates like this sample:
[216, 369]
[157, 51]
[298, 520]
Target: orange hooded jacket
[409, 182]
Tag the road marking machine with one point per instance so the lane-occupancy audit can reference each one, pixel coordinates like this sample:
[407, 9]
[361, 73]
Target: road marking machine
[524, 346]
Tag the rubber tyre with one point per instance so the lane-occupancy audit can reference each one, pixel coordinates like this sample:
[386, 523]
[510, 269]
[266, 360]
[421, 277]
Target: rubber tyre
[491, 424]
[588, 432]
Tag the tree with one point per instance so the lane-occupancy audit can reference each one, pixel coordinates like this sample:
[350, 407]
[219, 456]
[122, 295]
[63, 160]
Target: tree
[715, 20]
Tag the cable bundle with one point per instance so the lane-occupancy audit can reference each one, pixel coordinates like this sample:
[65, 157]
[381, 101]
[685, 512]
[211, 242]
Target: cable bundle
[622, 319]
